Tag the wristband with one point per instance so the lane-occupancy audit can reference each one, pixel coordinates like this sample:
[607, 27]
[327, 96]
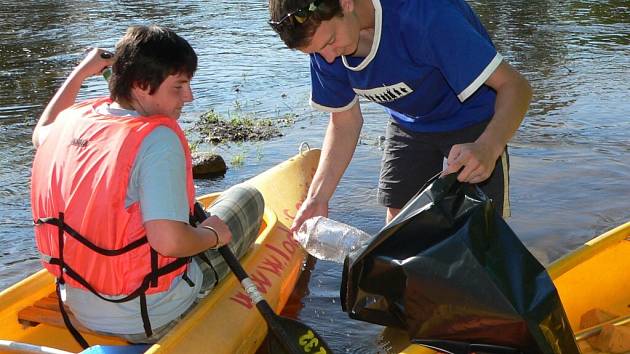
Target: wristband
[216, 236]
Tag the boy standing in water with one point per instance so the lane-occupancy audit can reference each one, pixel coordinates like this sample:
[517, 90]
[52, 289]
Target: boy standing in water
[112, 192]
[433, 67]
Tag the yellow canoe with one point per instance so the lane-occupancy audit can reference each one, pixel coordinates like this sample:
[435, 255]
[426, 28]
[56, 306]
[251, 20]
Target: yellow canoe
[596, 275]
[224, 322]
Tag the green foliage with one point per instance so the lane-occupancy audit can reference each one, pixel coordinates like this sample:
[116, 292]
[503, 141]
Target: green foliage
[238, 126]
[238, 160]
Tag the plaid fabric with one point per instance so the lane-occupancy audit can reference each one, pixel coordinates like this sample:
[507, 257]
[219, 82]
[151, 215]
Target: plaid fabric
[241, 208]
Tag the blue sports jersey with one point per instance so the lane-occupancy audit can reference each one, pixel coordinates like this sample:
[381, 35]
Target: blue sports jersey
[427, 66]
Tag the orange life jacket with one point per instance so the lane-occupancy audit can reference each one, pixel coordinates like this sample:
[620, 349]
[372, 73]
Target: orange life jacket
[79, 183]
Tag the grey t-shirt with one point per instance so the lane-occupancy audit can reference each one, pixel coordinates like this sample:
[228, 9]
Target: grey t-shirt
[158, 182]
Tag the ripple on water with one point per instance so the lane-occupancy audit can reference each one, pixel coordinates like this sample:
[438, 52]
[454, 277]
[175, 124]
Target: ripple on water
[569, 159]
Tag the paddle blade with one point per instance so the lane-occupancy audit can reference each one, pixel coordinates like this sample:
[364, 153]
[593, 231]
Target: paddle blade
[305, 337]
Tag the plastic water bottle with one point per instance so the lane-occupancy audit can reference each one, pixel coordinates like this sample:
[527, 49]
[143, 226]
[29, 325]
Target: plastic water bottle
[330, 240]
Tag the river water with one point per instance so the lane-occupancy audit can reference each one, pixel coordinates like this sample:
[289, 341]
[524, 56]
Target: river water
[570, 173]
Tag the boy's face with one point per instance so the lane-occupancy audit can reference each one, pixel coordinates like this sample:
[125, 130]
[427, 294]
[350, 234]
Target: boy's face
[333, 38]
[168, 99]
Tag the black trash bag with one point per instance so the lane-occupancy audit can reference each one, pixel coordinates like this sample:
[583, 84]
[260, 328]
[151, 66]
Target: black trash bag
[452, 273]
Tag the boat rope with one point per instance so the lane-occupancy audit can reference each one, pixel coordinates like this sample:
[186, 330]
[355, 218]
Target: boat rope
[304, 147]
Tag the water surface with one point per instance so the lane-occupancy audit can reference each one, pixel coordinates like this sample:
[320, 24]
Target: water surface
[570, 171]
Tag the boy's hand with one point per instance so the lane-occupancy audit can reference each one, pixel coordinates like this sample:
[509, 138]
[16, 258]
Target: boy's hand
[310, 208]
[478, 162]
[94, 63]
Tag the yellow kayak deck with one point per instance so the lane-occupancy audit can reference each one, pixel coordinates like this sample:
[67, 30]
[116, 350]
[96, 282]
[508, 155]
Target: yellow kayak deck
[223, 322]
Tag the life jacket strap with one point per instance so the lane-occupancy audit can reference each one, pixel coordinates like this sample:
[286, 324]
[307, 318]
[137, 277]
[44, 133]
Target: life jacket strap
[169, 268]
[59, 222]
[186, 277]
[144, 313]
[139, 292]
[205, 259]
[60, 241]
[154, 268]
[66, 320]
[150, 280]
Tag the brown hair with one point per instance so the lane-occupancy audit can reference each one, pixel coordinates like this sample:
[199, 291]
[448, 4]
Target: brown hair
[293, 33]
[145, 56]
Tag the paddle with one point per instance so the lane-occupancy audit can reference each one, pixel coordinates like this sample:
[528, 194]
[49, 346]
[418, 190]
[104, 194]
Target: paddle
[288, 335]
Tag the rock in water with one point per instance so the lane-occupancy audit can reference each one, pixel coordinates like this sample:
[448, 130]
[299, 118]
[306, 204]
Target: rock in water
[206, 165]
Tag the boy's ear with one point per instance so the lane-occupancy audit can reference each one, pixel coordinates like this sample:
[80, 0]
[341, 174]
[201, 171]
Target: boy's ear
[347, 5]
[139, 91]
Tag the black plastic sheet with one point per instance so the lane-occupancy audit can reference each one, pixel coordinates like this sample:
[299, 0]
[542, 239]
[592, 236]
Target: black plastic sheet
[452, 273]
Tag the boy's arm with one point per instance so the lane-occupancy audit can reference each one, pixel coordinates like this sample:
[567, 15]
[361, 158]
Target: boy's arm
[178, 239]
[93, 64]
[158, 182]
[478, 158]
[340, 142]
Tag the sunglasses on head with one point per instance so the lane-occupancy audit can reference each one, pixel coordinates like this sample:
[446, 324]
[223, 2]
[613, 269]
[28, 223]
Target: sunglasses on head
[299, 15]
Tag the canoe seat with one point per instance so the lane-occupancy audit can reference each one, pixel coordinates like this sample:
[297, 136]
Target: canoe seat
[46, 311]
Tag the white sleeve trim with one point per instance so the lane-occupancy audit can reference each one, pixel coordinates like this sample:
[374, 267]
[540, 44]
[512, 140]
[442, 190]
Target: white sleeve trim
[319, 107]
[485, 74]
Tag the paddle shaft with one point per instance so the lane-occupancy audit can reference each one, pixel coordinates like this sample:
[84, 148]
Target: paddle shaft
[261, 304]
[275, 327]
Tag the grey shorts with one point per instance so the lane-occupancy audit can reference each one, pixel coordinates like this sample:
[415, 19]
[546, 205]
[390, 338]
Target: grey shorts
[411, 158]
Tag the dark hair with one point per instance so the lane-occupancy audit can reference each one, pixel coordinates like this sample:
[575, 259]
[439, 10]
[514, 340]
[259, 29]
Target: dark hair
[293, 33]
[145, 56]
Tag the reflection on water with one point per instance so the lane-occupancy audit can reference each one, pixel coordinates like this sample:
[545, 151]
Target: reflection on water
[570, 168]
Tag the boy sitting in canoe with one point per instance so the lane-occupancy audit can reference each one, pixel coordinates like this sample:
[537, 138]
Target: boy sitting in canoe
[112, 192]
